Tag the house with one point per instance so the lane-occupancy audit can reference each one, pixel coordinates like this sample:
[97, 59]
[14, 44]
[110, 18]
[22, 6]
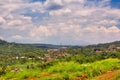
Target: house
[52, 50]
[22, 57]
[48, 59]
[118, 49]
[62, 55]
[112, 48]
[98, 50]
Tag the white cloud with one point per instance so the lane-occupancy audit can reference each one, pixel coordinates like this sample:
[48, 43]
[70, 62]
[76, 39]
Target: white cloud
[1, 37]
[61, 2]
[69, 1]
[84, 12]
[2, 21]
[17, 37]
[104, 22]
[14, 23]
[60, 12]
[75, 33]
[41, 32]
[67, 21]
[113, 13]
[114, 29]
[49, 2]
[100, 35]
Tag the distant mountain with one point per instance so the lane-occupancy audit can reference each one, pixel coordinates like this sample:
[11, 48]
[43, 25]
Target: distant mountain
[117, 43]
[2, 42]
[43, 46]
[105, 45]
[50, 46]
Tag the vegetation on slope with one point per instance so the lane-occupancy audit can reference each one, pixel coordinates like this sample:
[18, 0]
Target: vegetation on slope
[18, 61]
[64, 70]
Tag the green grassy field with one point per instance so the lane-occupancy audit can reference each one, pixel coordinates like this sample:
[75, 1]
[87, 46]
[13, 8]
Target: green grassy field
[64, 71]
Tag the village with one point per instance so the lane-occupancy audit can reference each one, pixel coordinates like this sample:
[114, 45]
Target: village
[60, 54]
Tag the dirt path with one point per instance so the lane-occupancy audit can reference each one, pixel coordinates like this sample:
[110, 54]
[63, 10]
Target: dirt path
[108, 76]
[43, 75]
[33, 78]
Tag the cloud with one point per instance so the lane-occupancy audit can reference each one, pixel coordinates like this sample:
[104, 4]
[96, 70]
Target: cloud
[2, 21]
[17, 37]
[101, 34]
[60, 12]
[59, 21]
[53, 7]
[1, 37]
[75, 33]
[14, 23]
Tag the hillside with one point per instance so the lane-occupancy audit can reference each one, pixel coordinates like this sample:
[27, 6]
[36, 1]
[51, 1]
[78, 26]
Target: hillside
[51, 46]
[8, 51]
[2, 42]
[48, 46]
[7, 47]
[38, 45]
[56, 62]
[105, 45]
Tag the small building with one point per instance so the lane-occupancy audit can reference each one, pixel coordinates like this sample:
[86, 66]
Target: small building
[52, 50]
[62, 55]
[112, 48]
[48, 59]
[98, 50]
[118, 49]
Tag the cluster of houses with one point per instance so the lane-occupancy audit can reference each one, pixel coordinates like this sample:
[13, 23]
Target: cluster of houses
[111, 48]
[51, 54]
[55, 54]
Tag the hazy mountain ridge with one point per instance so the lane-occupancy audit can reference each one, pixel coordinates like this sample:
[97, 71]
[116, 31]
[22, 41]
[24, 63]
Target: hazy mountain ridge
[51, 46]
[105, 45]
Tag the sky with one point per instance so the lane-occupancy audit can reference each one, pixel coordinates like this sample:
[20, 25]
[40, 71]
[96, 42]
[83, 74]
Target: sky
[68, 22]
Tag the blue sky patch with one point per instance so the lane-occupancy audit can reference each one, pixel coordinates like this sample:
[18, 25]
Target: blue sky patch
[37, 17]
[115, 4]
[54, 7]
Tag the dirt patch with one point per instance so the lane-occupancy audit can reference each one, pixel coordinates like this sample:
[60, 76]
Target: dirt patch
[33, 78]
[42, 75]
[83, 77]
[108, 76]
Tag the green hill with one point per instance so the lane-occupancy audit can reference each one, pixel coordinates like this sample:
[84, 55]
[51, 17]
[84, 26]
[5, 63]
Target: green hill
[2, 42]
[105, 45]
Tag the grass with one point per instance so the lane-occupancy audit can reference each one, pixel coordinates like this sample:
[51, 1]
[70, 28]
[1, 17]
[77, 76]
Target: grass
[66, 71]
[73, 69]
[22, 74]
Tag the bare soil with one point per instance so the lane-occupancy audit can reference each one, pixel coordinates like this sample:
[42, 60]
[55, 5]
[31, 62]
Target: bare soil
[108, 75]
